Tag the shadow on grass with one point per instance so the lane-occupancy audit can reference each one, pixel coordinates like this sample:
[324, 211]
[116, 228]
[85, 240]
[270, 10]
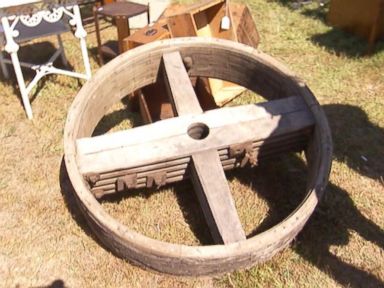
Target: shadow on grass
[94, 53]
[279, 184]
[36, 53]
[335, 40]
[344, 43]
[357, 141]
[55, 284]
[315, 9]
[116, 118]
[70, 200]
[282, 184]
[190, 206]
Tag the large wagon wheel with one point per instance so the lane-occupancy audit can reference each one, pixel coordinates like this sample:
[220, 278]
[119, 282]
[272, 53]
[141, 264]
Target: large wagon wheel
[194, 144]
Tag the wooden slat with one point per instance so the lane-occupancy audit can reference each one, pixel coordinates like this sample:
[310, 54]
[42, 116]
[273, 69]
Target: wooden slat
[144, 111]
[176, 126]
[168, 140]
[215, 198]
[179, 86]
[109, 184]
[181, 25]
[277, 145]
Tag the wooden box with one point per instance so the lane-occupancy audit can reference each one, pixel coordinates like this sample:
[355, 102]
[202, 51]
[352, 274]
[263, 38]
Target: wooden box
[201, 19]
[149, 33]
[364, 18]
[204, 20]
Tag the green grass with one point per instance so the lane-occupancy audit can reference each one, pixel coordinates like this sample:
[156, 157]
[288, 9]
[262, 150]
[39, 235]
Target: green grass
[43, 237]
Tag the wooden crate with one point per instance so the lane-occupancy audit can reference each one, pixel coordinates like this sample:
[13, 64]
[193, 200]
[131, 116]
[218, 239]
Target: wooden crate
[203, 19]
[200, 19]
[364, 18]
[244, 26]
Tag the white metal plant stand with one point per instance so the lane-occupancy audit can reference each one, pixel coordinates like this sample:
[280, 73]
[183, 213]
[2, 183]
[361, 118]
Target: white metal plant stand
[34, 16]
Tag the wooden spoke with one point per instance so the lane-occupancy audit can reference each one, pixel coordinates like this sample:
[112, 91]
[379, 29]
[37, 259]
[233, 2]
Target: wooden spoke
[206, 170]
[178, 85]
[215, 198]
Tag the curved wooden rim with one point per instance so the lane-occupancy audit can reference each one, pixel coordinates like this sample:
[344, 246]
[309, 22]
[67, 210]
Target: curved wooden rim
[191, 260]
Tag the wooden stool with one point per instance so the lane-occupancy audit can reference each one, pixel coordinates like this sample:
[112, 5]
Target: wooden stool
[149, 33]
[120, 12]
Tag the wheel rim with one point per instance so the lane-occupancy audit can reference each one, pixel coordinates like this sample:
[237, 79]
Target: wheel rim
[86, 112]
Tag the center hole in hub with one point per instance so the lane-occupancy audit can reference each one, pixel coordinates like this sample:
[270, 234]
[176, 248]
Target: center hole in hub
[198, 131]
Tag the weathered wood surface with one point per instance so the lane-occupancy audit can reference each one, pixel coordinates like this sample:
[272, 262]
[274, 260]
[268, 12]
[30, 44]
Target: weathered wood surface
[215, 198]
[179, 87]
[144, 111]
[244, 25]
[106, 183]
[211, 58]
[207, 172]
[206, 161]
[167, 140]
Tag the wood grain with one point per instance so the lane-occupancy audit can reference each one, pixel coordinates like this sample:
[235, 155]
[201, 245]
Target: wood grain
[215, 198]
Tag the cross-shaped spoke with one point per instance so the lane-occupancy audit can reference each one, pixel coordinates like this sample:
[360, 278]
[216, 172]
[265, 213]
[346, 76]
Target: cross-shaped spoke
[206, 170]
[195, 145]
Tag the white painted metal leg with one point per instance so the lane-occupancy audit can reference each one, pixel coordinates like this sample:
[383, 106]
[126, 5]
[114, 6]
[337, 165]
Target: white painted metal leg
[11, 47]
[84, 51]
[21, 82]
[63, 57]
[81, 34]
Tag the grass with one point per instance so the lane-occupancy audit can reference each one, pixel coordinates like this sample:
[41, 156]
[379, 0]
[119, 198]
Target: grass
[45, 241]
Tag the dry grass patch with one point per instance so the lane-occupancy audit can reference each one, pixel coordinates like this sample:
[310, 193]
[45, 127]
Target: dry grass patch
[44, 239]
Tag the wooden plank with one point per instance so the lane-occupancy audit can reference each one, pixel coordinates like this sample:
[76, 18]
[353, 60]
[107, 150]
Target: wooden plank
[203, 92]
[260, 151]
[157, 100]
[244, 26]
[144, 111]
[180, 172]
[179, 86]
[181, 25]
[176, 126]
[279, 144]
[168, 139]
[215, 198]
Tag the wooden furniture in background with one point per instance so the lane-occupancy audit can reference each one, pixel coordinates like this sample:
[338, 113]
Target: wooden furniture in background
[201, 19]
[364, 18]
[32, 20]
[120, 12]
[149, 33]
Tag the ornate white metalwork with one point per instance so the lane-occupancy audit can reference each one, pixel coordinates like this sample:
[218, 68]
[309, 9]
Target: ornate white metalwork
[53, 15]
[31, 20]
[31, 16]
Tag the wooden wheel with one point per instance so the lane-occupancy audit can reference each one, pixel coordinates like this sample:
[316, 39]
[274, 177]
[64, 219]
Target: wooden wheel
[197, 145]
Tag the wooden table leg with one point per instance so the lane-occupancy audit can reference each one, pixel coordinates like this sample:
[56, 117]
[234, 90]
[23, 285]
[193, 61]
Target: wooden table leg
[98, 38]
[375, 29]
[122, 25]
[148, 15]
